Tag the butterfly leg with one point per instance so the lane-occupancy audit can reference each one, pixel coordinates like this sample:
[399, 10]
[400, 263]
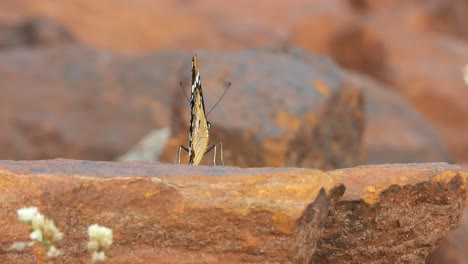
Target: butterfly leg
[178, 153]
[213, 146]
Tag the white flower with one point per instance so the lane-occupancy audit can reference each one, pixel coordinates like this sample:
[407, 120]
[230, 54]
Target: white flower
[26, 214]
[36, 235]
[93, 245]
[44, 231]
[100, 235]
[53, 252]
[37, 221]
[57, 236]
[51, 231]
[100, 239]
[98, 256]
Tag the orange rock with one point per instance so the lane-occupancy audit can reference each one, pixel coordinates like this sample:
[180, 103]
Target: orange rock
[454, 247]
[176, 213]
[392, 213]
[294, 123]
[170, 213]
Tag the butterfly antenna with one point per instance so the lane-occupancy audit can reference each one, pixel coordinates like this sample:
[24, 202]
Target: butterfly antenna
[183, 91]
[221, 97]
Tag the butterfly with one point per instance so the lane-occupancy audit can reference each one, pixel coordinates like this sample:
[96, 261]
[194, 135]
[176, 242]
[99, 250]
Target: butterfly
[199, 125]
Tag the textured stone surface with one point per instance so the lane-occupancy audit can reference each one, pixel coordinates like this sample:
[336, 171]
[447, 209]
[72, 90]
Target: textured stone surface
[401, 212]
[79, 103]
[178, 213]
[454, 247]
[75, 102]
[285, 108]
[109, 102]
[170, 213]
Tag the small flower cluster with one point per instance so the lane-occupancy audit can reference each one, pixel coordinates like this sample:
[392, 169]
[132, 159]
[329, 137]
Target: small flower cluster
[100, 239]
[43, 230]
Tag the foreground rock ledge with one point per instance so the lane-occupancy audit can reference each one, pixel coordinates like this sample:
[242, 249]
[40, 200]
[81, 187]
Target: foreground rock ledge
[392, 213]
[165, 213]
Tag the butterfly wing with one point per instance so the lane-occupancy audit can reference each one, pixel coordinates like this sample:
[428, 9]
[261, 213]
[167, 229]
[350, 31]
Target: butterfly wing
[199, 126]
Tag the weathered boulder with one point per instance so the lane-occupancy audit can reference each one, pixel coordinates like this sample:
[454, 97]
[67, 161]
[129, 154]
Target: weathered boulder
[394, 132]
[285, 108]
[75, 102]
[177, 213]
[169, 213]
[453, 249]
[392, 213]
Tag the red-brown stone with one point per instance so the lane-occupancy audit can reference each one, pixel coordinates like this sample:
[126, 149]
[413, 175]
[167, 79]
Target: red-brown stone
[169, 213]
[75, 102]
[273, 116]
[392, 213]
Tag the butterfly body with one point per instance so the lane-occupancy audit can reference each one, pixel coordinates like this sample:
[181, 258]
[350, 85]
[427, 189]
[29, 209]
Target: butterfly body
[199, 125]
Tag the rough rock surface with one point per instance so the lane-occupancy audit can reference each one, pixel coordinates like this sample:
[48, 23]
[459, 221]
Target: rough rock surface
[176, 213]
[454, 247]
[169, 213]
[285, 108]
[75, 102]
[392, 213]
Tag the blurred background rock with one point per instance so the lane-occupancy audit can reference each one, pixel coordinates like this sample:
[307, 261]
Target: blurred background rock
[322, 83]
